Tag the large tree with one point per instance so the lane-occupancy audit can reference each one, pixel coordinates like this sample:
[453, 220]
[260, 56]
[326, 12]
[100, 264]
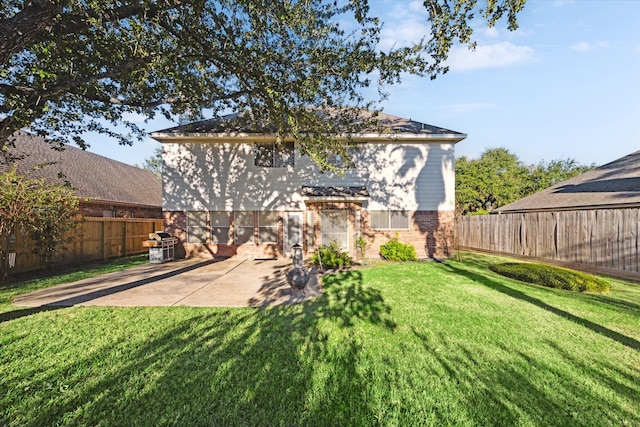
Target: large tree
[77, 66]
[498, 177]
[491, 181]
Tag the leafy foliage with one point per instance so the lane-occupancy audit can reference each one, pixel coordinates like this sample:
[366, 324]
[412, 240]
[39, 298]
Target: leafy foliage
[544, 175]
[331, 256]
[553, 277]
[43, 212]
[498, 177]
[71, 67]
[154, 163]
[362, 244]
[394, 250]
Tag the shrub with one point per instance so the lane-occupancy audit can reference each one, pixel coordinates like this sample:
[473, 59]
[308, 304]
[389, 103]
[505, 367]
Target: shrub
[331, 256]
[553, 277]
[393, 250]
[362, 244]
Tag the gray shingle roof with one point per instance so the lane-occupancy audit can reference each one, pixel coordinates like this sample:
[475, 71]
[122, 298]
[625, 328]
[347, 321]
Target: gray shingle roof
[96, 177]
[233, 123]
[317, 191]
[616, 184]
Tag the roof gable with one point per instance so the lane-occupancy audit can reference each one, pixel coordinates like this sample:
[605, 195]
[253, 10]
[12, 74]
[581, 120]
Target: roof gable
[616, 184]
[94, 176]
[233, 125]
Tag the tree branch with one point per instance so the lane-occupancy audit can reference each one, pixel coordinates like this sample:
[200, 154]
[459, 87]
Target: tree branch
[27, 26]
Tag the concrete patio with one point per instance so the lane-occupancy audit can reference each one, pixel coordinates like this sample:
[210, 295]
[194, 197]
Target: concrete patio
[230, 282]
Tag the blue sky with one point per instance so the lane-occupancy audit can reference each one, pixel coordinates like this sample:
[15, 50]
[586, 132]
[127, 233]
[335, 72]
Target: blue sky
[566, 84]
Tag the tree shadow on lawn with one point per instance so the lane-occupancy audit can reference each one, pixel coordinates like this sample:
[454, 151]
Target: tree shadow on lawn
[285, 365]
[529, 389]
[17, 314]
[624, 301]
[495, 394]
[493, 284]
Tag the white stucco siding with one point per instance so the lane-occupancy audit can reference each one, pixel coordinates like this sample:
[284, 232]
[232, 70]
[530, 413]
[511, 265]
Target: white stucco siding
[222, 176]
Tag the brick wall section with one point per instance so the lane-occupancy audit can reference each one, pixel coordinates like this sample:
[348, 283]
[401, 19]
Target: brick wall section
[431, 233]
[176, 225]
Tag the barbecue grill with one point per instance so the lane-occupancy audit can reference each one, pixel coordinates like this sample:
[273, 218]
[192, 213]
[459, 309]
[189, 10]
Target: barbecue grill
[161, 247]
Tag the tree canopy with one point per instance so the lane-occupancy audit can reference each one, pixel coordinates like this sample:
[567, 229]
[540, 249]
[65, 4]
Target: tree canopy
[498, 177]
[68, 68]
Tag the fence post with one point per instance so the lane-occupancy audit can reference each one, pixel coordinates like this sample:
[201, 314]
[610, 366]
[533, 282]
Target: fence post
[124, 238]
[104, 239]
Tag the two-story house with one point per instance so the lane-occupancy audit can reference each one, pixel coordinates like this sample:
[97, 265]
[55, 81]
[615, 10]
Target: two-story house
[228, 190]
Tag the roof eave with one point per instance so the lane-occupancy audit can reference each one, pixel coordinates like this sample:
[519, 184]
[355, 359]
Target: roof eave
[318, 199]
[244, 136]
[88, 200]
[568, 208]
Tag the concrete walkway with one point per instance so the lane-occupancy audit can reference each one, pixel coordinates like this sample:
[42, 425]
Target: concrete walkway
[231, 282]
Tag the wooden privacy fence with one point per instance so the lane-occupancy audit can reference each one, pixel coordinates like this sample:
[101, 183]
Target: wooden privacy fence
[601, 239]
[95, 239]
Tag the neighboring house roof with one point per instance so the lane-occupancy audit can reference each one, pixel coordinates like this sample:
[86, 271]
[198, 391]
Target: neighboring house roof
[95, 177]
[233, 126]
[616, 184]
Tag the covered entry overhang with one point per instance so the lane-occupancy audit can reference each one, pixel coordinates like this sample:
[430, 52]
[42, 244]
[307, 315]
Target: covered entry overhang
[312, 194]
[335, 215]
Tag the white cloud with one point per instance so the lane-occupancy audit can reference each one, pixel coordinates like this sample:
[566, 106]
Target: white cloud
[490, 32]
[586, 46]
[416, 6]
[503, 54]
[582, 47]
[405, 32]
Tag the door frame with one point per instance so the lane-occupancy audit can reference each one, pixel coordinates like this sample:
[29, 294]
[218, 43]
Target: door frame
[347, 230]
[286, 248]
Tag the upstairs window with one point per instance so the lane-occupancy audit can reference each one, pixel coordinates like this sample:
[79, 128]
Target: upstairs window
[272, 155]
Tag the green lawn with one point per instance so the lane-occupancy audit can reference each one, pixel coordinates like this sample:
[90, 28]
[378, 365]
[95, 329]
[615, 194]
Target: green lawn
[397, 344]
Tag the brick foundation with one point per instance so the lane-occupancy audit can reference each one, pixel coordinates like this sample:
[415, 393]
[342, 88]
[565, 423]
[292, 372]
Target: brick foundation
[430, 232]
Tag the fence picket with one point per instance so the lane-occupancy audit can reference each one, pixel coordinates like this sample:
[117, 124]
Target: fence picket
[600, 238]
[97, 238]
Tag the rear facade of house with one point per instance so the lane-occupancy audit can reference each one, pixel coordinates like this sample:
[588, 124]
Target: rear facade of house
[237, 192]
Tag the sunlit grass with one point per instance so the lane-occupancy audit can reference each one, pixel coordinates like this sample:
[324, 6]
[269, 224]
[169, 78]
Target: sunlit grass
[397, 344]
